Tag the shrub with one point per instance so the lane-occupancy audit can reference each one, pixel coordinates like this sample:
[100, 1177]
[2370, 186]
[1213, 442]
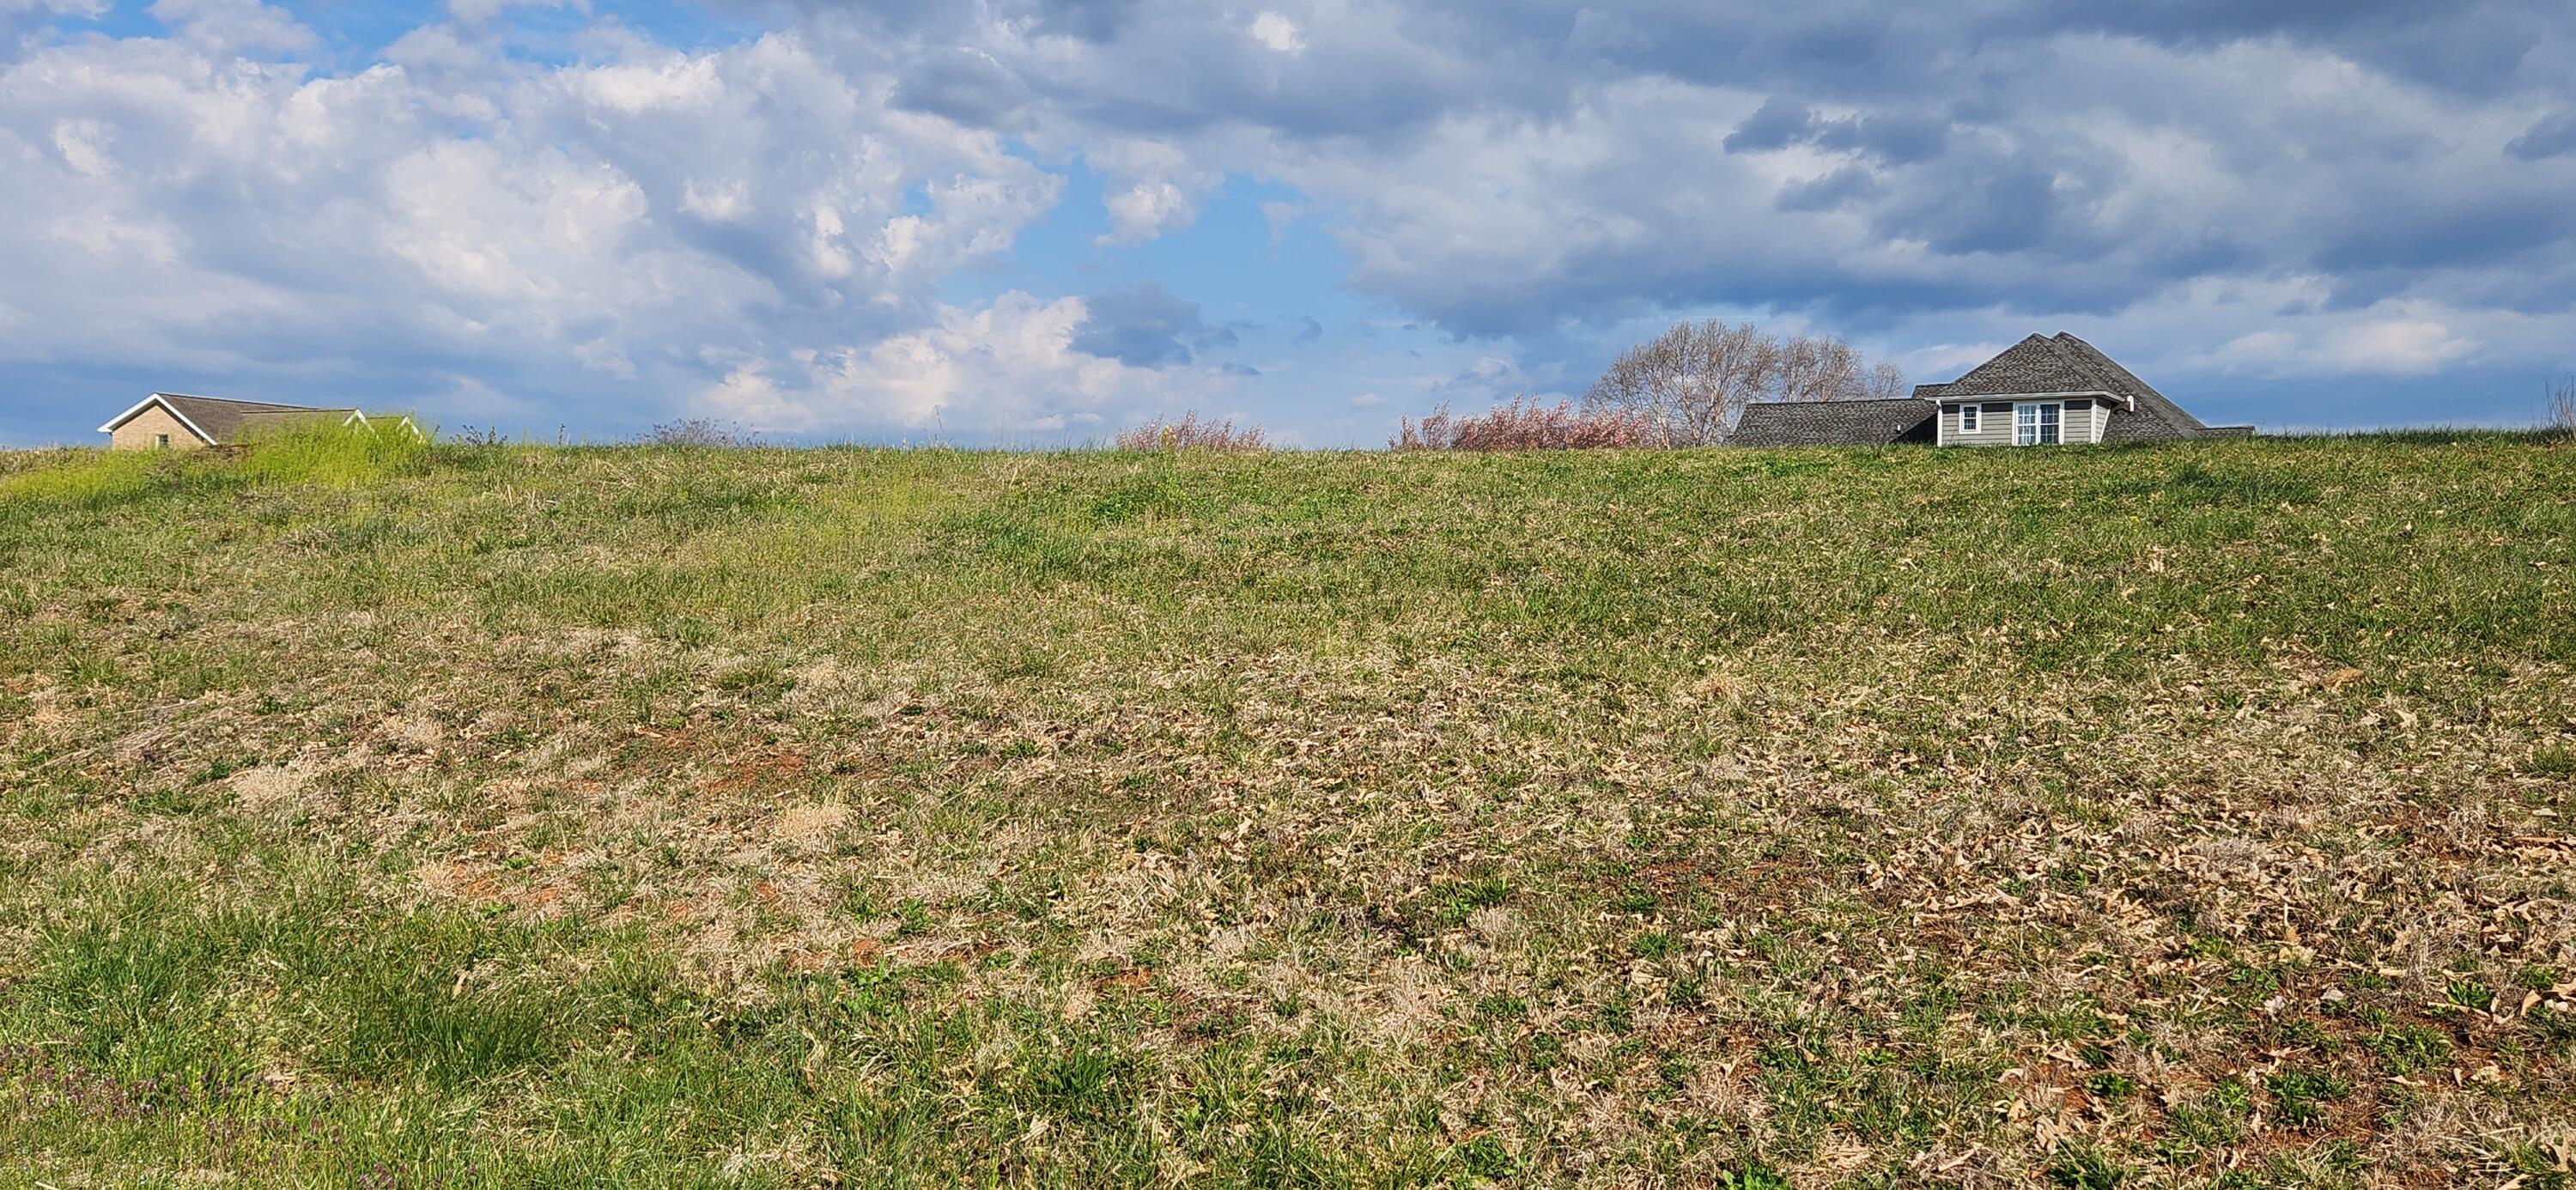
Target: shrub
[1526, 424]
[1190, 433]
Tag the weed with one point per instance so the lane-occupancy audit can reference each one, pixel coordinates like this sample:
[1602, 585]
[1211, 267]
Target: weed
[1452, 903]
[2553, 760]
[2298, 1096]
[1485, 1157]
[2111, 1085]
[2469, 994]
[2086, 1168]
[1752, 1177]
[2410, 1048]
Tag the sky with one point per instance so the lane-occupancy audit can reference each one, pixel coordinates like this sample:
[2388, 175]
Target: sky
[1034, 222]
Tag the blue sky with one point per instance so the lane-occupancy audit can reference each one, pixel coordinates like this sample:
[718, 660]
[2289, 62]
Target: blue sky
[1031, 222]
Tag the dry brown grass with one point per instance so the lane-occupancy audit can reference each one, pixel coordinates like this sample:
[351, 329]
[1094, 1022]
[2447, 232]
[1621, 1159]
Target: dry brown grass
[1192, 433]
[1526, 424]
[1157, 857]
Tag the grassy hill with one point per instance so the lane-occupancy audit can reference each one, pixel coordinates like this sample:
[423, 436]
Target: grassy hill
[513, 816]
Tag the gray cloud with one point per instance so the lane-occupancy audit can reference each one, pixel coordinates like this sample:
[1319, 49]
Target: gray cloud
[1145, 326]
[1845, 186]
[2551, 136]
[1902, 138]
[964, 85]
[1779, 123]
[1601, 160]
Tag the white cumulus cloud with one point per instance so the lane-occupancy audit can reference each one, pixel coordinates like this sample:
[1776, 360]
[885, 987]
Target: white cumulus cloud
[1279, 33]
[753, 228]
[1008, 368]
[1146, 210]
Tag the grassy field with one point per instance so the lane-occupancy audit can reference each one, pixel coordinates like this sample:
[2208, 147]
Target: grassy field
[496, 816]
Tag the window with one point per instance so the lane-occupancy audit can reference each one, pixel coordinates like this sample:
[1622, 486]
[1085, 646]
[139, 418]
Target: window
[1968, 418]
[2037, 423]
[160, 442]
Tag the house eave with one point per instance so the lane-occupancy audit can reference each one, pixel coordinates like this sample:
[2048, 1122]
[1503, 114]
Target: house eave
[166, 407]
[1999, 398]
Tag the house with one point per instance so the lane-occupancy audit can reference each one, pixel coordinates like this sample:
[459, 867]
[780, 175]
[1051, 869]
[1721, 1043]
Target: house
[2040, 392]
[175, 421]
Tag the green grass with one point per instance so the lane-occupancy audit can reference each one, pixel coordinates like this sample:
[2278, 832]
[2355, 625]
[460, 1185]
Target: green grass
[337, 456]
[388, 814]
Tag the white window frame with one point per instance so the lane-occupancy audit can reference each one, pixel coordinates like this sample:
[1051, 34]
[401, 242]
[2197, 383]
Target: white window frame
[2030, 416]
[1970, 421]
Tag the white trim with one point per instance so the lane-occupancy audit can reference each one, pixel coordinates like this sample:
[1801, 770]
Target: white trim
[2037, 424]
[1968, 409]
[2126, 402]
[166, 407]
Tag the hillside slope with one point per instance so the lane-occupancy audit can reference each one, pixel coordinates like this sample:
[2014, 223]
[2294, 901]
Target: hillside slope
[512, 815]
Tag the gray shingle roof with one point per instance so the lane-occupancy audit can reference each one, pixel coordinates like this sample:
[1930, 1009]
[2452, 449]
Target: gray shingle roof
[2154, 418]
[227, 421]
[2037, 364]
[1833, 423]
[2066, 364]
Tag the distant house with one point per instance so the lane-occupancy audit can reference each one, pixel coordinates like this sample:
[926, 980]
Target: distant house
[174, 421]
[2041, 392]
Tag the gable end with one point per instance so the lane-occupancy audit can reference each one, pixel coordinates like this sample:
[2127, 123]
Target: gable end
[160, 402]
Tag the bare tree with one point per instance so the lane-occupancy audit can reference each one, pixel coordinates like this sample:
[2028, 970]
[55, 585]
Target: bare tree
[1691, 380]
[1886, 382]
[1817, 368]
[1695, 379]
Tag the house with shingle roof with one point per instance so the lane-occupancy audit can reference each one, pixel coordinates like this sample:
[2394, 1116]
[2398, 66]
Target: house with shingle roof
[177, 421]
[2040, 392]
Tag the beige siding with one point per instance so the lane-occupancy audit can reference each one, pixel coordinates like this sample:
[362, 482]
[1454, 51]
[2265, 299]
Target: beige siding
[1994, 429]
[2085, 426]
[2078, 424]
[2075, 426]
[143, 432]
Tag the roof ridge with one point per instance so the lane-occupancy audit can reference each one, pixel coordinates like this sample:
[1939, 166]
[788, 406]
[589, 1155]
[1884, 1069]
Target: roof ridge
[251, 404]
[2085, 360]
[1844, 401]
